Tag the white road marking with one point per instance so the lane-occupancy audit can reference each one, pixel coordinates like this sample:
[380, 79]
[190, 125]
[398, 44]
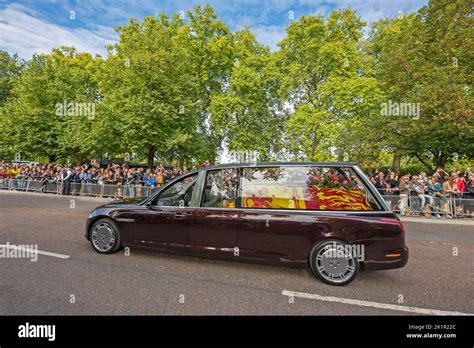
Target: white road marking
[46, 253]
[371, 304]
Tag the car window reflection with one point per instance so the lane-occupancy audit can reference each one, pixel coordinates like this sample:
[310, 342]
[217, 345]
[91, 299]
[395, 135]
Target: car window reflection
[220, 190]
[179, 194]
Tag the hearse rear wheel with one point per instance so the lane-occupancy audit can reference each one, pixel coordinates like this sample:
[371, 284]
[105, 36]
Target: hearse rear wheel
[333, 262]
[105, 236]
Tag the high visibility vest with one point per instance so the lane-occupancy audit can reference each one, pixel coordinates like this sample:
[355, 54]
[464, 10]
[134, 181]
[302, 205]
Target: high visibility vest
[160, 180]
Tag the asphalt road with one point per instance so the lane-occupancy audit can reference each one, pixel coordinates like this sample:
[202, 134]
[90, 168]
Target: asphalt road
[436, 277]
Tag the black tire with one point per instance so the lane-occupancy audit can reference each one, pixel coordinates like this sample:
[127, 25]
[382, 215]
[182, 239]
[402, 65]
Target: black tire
[340, 269]
[105, 236]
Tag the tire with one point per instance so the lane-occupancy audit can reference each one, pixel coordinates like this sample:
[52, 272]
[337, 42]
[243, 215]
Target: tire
[105, 236]
[331, 264]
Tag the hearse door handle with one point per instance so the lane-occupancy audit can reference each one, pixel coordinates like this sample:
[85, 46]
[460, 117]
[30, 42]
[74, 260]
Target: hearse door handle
[180, 214]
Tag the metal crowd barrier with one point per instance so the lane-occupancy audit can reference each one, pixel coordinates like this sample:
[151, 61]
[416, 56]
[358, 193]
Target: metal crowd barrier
[79, 188]
[446, 206]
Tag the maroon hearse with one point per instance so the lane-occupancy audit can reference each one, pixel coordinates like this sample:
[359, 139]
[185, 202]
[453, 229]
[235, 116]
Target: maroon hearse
[327, 216]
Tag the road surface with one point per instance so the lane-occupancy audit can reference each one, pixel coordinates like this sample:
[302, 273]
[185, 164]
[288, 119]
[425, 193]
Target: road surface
[69, 278]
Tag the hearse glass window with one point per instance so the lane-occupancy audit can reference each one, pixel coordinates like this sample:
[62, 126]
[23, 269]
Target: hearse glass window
[348, 172]
[178, 194]
[307, 188]
[220, 189]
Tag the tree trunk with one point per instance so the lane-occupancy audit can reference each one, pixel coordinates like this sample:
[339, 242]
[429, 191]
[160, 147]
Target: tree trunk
[180, 162]
[51, 158]
[80, 159]
[151, 156]
[396, 163]
[426, 164]
[314, 144]
[441, 161]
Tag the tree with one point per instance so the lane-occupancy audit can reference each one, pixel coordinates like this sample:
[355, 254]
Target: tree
[326, 82]
[145, 83]
[10, 67]
[213, 55]
[248, 115]
[44, 116]
[158, 81]
[424, 59]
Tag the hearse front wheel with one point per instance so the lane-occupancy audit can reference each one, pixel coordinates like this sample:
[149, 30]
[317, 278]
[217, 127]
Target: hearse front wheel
[333, 262]
[105, 236]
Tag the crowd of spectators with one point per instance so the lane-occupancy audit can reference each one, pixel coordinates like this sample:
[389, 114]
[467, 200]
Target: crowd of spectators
[441, 193]
[70, 177]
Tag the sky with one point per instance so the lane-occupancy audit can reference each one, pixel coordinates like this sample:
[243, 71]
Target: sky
[37, 26]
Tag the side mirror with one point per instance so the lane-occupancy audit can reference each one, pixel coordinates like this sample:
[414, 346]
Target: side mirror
[150, 205]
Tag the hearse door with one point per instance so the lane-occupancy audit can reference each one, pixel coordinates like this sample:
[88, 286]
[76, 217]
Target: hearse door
[259, 235]
[164, 222]
[213, 223]
[266, 232]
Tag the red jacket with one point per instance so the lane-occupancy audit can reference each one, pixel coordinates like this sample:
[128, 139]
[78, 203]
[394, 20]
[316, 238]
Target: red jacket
[461, 185]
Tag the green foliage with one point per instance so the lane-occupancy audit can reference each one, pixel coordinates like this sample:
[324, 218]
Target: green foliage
[426, 58]
[175, 89]
[157, 83]
[10, 67]
[143, 84]
[248, 115]
[31, 124]
[328, 82]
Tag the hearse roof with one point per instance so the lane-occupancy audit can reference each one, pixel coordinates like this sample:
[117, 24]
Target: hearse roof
[274, 164]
